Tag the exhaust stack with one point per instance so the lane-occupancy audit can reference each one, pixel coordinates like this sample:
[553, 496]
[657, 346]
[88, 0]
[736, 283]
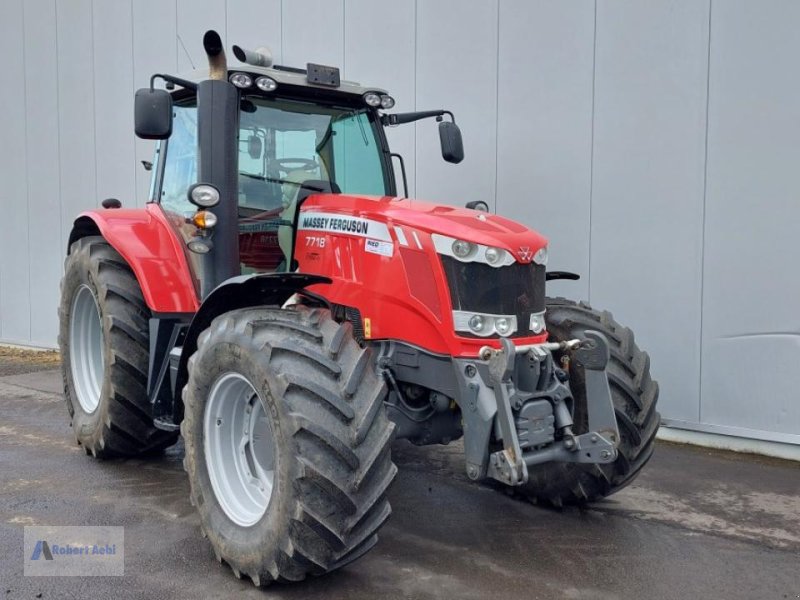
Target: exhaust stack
[217, 64]
[218, 156]
[260, 57]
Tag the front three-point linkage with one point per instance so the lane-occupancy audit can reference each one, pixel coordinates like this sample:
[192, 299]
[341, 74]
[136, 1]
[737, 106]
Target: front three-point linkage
[597, 445]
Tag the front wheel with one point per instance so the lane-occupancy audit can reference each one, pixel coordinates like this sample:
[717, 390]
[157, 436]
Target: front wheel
[634, 394]
[287, 442]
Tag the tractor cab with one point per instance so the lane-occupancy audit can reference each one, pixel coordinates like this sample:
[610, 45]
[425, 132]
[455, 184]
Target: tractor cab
[299, 132]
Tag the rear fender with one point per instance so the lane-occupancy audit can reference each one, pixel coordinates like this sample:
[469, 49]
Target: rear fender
[151, 247]
[264, 289]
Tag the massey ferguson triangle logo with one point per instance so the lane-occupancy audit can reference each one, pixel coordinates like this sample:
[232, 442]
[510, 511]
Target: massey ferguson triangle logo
[525, 253]
[41, 549]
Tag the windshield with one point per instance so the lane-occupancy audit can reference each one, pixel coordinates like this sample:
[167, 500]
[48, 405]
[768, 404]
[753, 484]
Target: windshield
[289, 142]
[285, 146]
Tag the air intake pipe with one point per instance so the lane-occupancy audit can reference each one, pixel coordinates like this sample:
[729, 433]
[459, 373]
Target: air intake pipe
[218, 162]
[260, 57]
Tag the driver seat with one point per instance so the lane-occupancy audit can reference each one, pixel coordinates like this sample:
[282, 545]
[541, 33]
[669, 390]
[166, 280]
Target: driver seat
[293, 197]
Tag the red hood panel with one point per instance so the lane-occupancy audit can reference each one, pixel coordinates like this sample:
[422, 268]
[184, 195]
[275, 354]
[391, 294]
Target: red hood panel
[461, 223]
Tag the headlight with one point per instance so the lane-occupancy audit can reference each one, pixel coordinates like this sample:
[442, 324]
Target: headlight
[502, 325]
[484, 325]
[241, 80]
[465, 251]
[494, 255]
[372, 99]
[462, 249]
[540, 258]
[476, 323]
[387, 102]
[537, 323]
[266, 84]
[200, 245]
[203, 195]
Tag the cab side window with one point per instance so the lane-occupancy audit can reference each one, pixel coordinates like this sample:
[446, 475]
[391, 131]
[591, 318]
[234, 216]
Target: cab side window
[180, 162]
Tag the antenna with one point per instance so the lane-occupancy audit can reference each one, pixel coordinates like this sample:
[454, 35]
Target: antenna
[189, 56]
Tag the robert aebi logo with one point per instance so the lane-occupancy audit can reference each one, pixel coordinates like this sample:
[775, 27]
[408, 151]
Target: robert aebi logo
[73, 551]
[43, 549]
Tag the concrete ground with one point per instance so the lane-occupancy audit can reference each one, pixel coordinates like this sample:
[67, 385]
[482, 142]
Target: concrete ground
[695, 524]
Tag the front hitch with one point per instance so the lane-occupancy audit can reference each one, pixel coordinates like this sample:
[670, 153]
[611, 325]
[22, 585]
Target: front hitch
[506, 465]
[526, 429]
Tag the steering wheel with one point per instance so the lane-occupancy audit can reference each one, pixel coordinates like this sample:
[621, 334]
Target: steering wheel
[296, 164]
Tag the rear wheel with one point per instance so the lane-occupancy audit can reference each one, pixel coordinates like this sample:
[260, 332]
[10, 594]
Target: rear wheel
[634, 394]
[104, 342]
[287, 443]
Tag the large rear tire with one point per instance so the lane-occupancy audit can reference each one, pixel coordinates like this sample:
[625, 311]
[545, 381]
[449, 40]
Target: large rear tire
[634, 394]
[105, 343]
[287, 443]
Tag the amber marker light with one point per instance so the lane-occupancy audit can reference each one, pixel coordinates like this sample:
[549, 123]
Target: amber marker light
[204, 219]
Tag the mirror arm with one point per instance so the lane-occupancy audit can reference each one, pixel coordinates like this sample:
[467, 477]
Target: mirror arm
[170, 79]
[410, 117]
[448, 113]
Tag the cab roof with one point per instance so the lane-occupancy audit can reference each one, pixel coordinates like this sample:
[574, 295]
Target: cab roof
[287, 76]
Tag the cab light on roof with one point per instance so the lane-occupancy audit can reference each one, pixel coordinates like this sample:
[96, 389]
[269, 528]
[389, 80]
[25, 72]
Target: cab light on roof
[372, 99]
[241, 80]
[266, 84]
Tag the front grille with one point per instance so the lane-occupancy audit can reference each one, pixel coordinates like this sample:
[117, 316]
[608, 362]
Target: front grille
[517, 289]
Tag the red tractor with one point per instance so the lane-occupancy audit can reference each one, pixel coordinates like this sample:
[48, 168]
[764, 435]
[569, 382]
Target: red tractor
[280, 306]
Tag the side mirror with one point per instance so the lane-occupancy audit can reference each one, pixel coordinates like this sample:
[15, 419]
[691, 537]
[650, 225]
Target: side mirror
[450, 138]
[152, 110]
[479, 205]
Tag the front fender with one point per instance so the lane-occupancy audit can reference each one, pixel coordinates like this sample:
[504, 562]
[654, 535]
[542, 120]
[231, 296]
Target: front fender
[153, 250]
[262, 289]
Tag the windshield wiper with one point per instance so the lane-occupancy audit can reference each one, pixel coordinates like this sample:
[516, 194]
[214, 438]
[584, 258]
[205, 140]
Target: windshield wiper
[361, 127]
[314, 188]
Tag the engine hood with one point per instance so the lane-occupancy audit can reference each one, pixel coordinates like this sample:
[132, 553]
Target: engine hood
[417, 215]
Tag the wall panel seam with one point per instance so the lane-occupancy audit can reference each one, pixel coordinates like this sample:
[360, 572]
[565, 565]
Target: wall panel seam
[94, 108]
[25, 154]
[416, 91]
[58, 134]
[591, 158]
[344, 37]
[497, 109]
[703, 222]
[133, 91]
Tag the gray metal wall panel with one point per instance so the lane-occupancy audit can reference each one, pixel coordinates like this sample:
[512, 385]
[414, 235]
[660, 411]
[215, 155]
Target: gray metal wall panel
[519, 77]
[155, 48]
[113, 101]
[457, 70]
[76, 81]
[389, 63]
[751, 326]
[544, 127]
[44, 208]
[254, 23]
[648, 178]
[313, 31]
[194, 18]
[14, 287]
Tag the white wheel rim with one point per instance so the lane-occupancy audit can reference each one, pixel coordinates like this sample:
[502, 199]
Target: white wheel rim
[86, 348]
[239, 449]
